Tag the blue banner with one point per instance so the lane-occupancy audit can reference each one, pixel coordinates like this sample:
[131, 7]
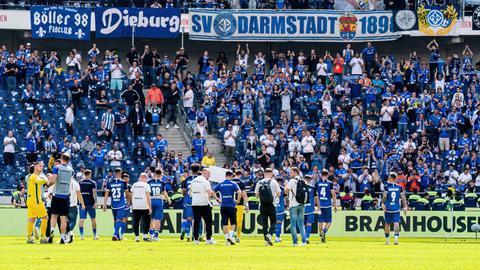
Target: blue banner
[60, 22]
[291, 25]
[141, 22]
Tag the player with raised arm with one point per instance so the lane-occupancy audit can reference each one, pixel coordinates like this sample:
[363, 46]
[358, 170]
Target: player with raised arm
[116, 190]
[324, 195]
[309, 207]
[158, 193]
[280, 209]
[187, 202]
[393, 197]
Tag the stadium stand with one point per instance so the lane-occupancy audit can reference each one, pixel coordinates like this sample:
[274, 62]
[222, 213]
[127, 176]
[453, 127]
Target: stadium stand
[353, 112]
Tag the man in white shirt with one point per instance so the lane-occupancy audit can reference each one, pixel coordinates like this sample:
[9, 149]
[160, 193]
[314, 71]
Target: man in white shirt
[70, 118]
[230, 137]
[294, 146]
[451, 174]
[209, 84]
[201, 192]
[386, 114]
[116, 83]
[296, 209]
[75, 197]
[188, 98]
[357, 65]
[115, 157]
[142, 206]
[465, 177]
[9, 143]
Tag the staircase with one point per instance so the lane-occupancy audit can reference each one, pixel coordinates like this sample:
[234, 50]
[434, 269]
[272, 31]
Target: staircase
[215, 145]
[176, 141]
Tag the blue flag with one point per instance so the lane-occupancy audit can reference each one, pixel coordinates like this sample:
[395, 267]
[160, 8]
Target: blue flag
[141, 22]
[60, 22]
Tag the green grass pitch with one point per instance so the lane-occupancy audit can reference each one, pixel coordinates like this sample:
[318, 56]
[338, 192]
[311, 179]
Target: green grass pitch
[251, 253]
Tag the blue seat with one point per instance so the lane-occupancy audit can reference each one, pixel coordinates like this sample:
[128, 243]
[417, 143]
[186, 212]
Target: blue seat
[470, 202]
[458, 207]
[365, 205]
[439, 207]
[422, 207]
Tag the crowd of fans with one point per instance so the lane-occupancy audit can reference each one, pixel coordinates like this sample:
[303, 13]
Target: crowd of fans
[355, 113]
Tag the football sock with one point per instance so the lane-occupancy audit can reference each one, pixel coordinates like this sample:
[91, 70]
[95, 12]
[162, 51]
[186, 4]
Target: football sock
[43, 227]
[81, 231]
[124, 227]
[94, 232]
[30, 228]
[184, 226]
[278, 229]
[188, 227]
[37, 222]
[156, 233]
[387, 235]
[117, 228]
[308, 231]
[151, 232]
[396, 235]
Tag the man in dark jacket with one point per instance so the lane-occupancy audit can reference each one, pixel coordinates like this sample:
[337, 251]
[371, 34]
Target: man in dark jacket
[172, 97]
[139, 153]
[130, 96]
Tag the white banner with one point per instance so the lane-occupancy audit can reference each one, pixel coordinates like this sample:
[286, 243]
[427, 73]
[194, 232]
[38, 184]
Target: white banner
[291, 25]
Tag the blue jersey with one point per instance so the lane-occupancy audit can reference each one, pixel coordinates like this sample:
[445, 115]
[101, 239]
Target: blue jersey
[394, 192]
[87, 188]
[227, 190]
[117, 188]
[280, 204]
[310, 205]
[187, 199]
[157, 186]
[323, 190]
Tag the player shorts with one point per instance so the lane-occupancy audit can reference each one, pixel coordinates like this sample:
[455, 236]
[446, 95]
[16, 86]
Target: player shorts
[309, 218]
[36, 210]
[392, 217]
[92, 213]
[187, 212]
[60, 206]
[121, 213]
[281, 217]
[228, 214]
[157, 210]
[325, 215]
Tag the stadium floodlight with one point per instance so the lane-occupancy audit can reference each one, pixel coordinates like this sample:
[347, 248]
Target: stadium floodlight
[476, 229]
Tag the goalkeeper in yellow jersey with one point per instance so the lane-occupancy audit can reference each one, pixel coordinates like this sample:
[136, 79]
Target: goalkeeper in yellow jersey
[36, 208]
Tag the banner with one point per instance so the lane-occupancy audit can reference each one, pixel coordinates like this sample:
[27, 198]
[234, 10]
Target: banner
[345, 223]
[60, 22]
[438, 20]
[291, 25]
[476, 18]
[405, 20]
[140, 22]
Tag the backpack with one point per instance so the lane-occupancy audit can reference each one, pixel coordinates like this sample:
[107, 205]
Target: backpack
[265, 193]
[302, 196]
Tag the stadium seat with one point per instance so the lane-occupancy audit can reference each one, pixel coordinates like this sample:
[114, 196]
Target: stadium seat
[365, 205]
[439, 206]
[470, 202]
[458, 207]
